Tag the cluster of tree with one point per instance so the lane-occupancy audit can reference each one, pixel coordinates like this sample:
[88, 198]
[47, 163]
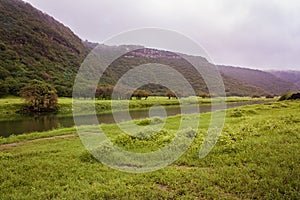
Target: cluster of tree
[110, 92]
[39, 97]
[139, 94]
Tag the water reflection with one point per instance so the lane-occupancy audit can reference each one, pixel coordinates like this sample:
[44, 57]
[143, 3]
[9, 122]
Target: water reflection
[49, 122]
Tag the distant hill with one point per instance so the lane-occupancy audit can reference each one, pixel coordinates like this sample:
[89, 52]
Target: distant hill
[89, 44]
[258, 78]
[145, 55]
[33, 45]
[291, 76]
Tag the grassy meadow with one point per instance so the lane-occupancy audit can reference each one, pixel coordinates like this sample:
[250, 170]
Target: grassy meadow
[256, 157]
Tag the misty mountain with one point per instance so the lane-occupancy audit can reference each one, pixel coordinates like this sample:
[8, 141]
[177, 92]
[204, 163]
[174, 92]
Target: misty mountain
[33, 45]
[177, 61]
[261, 79]
[290, 76]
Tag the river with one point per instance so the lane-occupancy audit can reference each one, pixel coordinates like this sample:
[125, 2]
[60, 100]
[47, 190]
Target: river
[49, 122]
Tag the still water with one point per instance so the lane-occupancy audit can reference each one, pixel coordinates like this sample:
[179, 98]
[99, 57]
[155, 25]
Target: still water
[49, 122]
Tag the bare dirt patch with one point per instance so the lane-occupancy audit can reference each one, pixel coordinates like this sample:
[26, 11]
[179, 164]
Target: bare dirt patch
[36, 140]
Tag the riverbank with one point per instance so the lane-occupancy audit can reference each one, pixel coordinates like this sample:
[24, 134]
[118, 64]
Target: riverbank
[256, 157]
[51, 121]
[10, 107]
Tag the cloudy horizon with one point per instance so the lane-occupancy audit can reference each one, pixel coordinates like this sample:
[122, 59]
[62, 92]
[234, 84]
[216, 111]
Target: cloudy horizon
[256, 34]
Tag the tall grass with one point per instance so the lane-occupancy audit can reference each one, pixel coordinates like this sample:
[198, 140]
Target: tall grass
[256, 157]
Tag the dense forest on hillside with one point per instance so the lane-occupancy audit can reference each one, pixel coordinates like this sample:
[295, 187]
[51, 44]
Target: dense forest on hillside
[33, 45]
[144, 56]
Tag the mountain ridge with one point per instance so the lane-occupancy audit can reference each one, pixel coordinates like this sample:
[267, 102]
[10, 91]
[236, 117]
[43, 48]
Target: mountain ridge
[259, 78]
[288, 75]
[33, 45]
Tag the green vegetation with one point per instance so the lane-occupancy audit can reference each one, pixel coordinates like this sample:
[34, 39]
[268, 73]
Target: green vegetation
[144, 56]
[256, 157]
[10, 108]
[290, 96]
[35, 46]
[39, 97]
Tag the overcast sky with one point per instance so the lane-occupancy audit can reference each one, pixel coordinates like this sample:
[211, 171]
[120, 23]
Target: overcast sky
[262, 34]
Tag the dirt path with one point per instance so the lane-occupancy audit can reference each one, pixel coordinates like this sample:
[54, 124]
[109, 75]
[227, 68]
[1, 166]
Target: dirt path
[36, 140]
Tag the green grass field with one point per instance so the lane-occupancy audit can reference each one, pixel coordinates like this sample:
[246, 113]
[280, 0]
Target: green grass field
[256, 157]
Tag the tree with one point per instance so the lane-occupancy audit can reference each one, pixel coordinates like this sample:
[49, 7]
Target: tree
[104, 92]
[139, 94]
[4, 73]
[204, 95]
[295, 96]
[39, 96]
[270, 96]
[170, 94]
[3, 88]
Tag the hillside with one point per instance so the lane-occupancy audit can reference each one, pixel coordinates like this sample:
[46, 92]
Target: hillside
[33, 45]
[291, 76]
[261, 79]
[145, 55]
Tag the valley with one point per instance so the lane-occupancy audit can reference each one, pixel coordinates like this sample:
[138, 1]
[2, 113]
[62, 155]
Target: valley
[234, 138]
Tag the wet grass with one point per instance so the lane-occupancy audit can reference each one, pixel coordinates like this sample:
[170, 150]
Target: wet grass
[257, 157]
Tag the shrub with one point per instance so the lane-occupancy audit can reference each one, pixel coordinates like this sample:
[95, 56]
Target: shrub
[139, 94]
[39, 97]
[144, 122]
[157, 120]
[290, 96]
[295, 96]
[269, 96]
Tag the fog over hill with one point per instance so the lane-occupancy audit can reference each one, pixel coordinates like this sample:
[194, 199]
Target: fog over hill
[261, 79]
[289, 75]
[33, 45]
